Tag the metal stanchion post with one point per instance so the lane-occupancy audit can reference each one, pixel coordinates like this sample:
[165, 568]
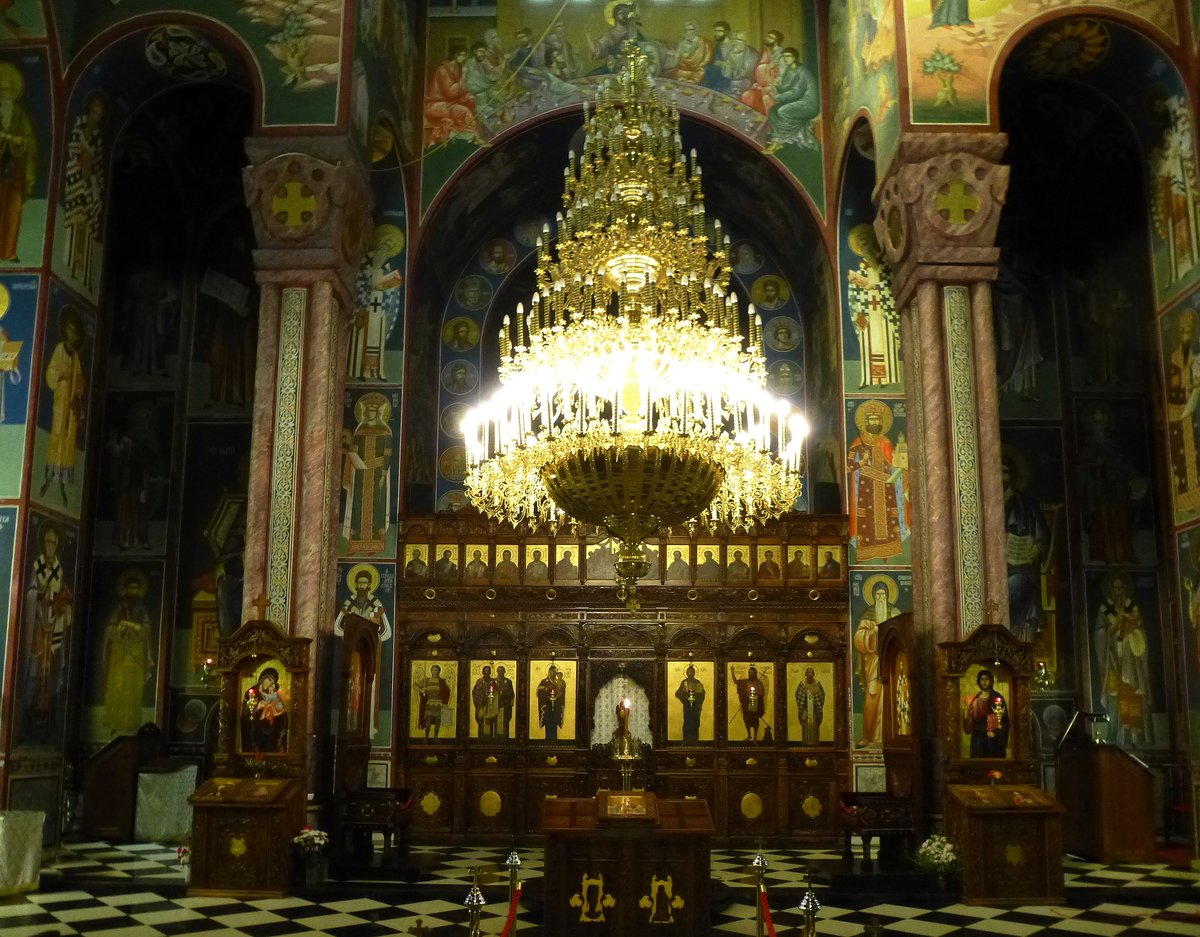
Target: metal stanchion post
[513, 864]
[809, 905]
[474, 903]
[760, 870]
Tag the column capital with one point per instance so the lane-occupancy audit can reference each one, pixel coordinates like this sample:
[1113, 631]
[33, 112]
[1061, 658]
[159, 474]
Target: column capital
[310, 203]
[939, 207]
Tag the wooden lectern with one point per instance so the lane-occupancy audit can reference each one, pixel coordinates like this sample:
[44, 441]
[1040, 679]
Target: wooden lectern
[1109, 796]
[627, 863]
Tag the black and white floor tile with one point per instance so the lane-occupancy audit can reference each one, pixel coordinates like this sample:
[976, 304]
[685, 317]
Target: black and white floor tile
[139, 891]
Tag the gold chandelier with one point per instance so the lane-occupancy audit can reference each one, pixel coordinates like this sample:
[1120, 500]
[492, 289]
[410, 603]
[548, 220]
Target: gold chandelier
[633, 392]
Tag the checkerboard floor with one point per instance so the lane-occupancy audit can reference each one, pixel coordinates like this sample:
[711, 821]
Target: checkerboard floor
[138, 891]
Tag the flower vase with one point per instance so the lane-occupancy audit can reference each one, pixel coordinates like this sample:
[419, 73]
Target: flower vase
[186, 871]
[316, 870]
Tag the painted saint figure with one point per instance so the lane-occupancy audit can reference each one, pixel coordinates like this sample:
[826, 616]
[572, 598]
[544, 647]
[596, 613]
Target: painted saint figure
[508, 697]
[810, 707]
[881, 594]
[68, 388]
[1119, 639]
[49, 612]
[552, 702]
[873, 311]
[1183, 394]
[985, 719]
[449, 106]
[485, 697]
[878, 506]
[367, 477]
[264, 716]
[128, 664]
[691, 695]
[364, 603]
[377, 304]
[18, 159]
[752, 700]
[1026, 546]
[433, 696]
[83, 192]
[797, 102]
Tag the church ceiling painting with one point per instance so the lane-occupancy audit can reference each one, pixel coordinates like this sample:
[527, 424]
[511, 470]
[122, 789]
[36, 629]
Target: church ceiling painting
[22, 19]
[750, 68]
[953, 45]
[296, 44]
[863, 74]
[386, 80]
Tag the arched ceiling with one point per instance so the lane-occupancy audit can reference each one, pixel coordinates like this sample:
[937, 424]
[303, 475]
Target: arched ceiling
[747, 192]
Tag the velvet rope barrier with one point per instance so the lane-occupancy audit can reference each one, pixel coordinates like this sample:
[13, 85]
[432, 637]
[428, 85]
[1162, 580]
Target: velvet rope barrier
[766, 910]
[511, 920]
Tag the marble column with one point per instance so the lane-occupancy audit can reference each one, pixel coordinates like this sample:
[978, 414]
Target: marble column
[939, 206]
[310, 203]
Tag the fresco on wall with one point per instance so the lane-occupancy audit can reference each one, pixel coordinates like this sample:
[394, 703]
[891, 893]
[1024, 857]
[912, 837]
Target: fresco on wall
[135, 477]
[64, 402]
[1127, 658]
[144, 347]
[877, 462]
[18, 319]
[1181, 375]
[79, 221]
[49, 609]
[874, 598]
[22, 19]
[368, 590]
[525, 60]
[871, 323]
[1036, 545]
[1188, 553]
[8, 549]
[1023, 320]
[296, 46]
[122, 652]
[862, 76]
[213, 539]
[25, 149]
[226, 331]
[387, 44]
[1116, 503]
[370, 442]
[952, 46]
[378, 302]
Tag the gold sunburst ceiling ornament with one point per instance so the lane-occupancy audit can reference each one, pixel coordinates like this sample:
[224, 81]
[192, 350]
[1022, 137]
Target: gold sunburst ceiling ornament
[633, 391]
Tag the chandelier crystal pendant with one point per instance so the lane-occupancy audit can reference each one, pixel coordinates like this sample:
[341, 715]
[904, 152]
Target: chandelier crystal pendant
[633, 391]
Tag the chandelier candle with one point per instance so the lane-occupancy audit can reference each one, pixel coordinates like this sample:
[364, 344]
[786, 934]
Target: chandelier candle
[633, 392]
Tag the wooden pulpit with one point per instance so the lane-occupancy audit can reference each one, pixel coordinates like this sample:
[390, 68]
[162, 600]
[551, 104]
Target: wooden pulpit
[1109, 796]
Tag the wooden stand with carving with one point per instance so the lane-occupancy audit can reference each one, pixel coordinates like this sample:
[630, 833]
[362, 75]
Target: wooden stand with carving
[1010, 838]
[246, 816]
[618, 877]
[242, 831]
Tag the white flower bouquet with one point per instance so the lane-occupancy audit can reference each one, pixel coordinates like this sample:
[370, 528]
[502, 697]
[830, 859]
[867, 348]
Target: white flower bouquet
[311, 842]
[936, 856]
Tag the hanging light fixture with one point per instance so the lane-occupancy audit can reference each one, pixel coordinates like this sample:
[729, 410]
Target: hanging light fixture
[633, 391]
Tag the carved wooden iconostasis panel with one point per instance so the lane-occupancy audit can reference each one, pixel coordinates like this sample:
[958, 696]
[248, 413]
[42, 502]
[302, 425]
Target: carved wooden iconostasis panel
[523, 679]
